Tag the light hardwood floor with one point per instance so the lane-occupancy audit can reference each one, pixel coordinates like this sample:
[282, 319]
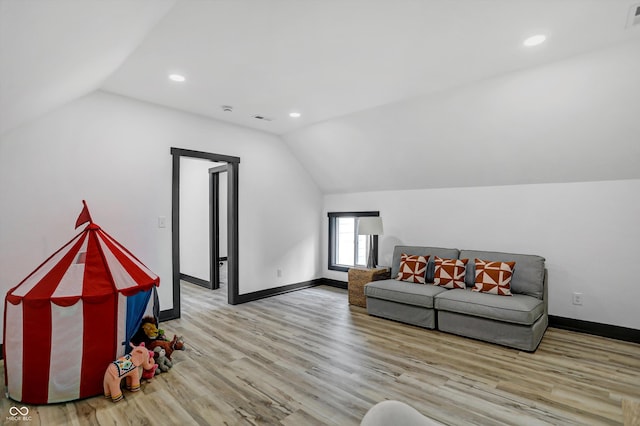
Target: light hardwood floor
[307, 358]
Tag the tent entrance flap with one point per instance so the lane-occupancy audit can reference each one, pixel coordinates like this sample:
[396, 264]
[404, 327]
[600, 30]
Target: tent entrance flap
[138, 306]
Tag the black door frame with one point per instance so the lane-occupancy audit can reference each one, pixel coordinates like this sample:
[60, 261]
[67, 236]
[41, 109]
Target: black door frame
[214, 225]
[233, 164]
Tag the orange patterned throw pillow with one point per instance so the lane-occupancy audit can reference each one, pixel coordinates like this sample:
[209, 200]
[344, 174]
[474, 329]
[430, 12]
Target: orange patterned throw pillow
[449, 273]
[494, 277]
[413, 269]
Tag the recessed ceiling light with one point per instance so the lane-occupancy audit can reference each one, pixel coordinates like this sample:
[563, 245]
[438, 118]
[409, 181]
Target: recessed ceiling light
[294, 114]
[535, 40]
[177, 77]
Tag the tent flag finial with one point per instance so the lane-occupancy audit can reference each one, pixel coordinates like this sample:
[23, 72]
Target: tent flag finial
[85, 216]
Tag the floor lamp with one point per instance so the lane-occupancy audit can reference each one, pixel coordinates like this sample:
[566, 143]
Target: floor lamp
[370, 225]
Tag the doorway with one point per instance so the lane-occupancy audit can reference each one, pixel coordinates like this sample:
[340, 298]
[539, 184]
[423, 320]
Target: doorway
[198, 206]
[215, 216]
[231, 168]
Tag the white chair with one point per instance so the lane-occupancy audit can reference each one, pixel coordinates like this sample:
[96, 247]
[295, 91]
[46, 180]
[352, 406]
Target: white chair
[395, 413]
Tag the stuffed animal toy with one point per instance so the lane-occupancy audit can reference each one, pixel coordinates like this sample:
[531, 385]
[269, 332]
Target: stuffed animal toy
[164, 364]
[175, 344]
[161, 335]
[179, 343]
[148, 374]
[148, 331]
[151, 373]
[126, 367]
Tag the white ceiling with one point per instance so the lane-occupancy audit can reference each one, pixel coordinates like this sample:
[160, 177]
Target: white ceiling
[54, 51]
[324, 59]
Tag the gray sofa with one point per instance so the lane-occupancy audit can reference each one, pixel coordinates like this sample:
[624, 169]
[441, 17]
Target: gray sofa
[517, 321]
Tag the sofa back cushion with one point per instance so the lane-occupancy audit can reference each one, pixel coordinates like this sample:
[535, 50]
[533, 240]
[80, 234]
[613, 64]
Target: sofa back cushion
[528, 275]
[432, 252]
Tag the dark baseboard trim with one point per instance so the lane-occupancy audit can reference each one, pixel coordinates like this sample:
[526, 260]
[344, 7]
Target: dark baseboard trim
[334, 283]
[170, 314]
[256, 295]
[595, 328]
[196, 281]
[167, 315]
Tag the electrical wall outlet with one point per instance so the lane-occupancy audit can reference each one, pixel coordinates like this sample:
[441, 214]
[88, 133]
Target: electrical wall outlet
[279, 273]
[577, 298]
[162, 221]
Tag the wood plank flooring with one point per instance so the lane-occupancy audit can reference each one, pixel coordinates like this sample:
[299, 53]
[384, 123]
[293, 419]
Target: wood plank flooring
[308, 358]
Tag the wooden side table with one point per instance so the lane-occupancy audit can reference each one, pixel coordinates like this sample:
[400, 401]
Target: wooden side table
[358, 277]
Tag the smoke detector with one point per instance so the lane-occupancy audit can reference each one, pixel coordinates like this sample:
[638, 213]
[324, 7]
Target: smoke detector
[227, 108]
[634, 16]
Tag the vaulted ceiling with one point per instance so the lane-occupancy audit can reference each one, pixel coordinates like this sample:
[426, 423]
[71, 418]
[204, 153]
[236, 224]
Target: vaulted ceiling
[330, 61]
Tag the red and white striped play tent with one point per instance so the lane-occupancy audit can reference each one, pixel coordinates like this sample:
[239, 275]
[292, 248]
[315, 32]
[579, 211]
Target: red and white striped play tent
[72, 316]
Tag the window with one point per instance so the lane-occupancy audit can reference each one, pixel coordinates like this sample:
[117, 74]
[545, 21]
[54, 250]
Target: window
[346, 248]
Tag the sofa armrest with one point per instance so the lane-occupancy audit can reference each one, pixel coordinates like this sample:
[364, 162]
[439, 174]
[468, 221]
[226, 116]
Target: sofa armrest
[545, 292]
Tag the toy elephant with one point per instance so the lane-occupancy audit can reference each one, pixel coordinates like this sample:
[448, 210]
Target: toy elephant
[127, 367]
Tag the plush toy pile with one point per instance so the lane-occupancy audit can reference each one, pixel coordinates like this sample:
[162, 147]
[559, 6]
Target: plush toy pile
[150, 356]
[156, 340]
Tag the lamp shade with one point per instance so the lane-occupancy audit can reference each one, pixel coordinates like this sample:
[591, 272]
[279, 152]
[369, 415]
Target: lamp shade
[370, 225]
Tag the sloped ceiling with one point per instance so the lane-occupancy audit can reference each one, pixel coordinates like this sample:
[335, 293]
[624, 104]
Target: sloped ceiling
[417, 76]
[569, 121]
[55, 51]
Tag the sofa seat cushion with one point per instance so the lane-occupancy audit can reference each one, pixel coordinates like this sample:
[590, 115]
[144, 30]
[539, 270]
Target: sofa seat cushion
[403, 292]
[518, 309]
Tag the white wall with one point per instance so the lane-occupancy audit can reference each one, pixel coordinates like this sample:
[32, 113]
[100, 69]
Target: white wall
[194, 216]
[115, 153]
[588, 232]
